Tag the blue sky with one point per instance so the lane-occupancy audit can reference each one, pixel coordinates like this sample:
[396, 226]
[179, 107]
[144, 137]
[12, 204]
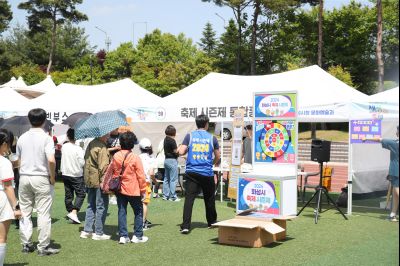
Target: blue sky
[124, 20]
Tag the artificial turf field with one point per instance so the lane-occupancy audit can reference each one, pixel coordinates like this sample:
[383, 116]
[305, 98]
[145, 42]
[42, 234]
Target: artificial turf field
[365, 239]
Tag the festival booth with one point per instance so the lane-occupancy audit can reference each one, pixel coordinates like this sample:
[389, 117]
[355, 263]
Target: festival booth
[369, 162]
[321, 97]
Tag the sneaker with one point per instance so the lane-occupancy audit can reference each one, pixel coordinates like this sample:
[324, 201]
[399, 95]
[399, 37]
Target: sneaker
[145, 227]
[184, 231]
[393, 219]
[28, 248]
[124, 240]
[48, 251]
[175, 200]
[142, 239]
[164, 198]
[156, 196]
[101, 237]
[113, 200]
[73, 217]
[147, 222]
[85, 234]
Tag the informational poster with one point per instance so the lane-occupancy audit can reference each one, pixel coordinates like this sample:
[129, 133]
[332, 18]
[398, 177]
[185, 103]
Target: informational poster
[233, 181]
[275, 141]
[261, 194]
[365, 129]
[238, 121]
[275, 106]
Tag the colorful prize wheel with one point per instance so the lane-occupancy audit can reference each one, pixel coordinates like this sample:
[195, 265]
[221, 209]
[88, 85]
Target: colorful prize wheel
[274, 140]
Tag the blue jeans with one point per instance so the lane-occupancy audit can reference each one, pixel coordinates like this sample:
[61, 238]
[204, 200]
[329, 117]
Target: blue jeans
[170, 178]
[137, 206]
[96, 211]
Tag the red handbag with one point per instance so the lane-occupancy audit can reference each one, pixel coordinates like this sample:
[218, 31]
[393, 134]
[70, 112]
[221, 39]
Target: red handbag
[114, 184]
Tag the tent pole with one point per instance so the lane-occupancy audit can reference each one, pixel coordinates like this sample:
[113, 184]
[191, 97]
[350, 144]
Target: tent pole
[222, 159]
[350, 175]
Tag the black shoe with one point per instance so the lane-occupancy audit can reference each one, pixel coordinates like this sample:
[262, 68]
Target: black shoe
[48, 251]
[147, 222]
[28, 248]
[210, 226]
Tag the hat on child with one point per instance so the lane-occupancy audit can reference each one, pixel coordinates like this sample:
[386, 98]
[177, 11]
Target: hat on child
[144, 143]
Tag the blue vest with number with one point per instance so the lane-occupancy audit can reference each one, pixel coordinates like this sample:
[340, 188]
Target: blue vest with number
[200, 153]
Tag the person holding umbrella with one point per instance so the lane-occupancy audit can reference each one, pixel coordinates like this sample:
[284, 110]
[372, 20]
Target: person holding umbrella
[97, 159]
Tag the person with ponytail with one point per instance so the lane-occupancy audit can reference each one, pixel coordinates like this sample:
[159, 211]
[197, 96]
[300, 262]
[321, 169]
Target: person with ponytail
[9, 206]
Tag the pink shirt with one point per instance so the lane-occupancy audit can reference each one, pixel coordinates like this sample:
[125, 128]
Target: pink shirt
[133, 181]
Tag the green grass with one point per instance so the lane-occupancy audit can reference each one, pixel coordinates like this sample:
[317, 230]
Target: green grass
[365, 239]
[331, 135]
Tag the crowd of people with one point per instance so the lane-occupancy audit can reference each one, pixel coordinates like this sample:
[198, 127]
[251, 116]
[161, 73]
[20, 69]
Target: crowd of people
[28, 176]
[84, 169]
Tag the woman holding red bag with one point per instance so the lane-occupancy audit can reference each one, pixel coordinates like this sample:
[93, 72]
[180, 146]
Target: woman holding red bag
[133, 188]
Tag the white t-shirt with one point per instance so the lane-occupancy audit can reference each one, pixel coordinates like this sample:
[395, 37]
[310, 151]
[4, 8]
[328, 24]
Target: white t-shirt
[33, 149]
[148, 164]
[72, 160]
[6, 171]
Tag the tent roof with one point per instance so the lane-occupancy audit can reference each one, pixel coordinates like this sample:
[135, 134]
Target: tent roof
[15, 83]
[391, 96]
[318, 93]
[12, 101]
[42, 87]
[314, 86]
[109, 96]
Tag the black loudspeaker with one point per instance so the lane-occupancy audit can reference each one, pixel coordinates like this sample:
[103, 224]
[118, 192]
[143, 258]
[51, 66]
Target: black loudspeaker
[320, 150]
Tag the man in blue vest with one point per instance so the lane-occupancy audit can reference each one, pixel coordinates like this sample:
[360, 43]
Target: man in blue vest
[200, 147]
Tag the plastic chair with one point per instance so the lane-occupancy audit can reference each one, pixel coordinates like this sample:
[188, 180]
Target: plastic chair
[327, 173]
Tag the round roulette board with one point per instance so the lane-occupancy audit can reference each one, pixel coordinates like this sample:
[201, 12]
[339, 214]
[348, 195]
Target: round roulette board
[274, 140]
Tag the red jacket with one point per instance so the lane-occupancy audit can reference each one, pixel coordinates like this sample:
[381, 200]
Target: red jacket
[133, 181]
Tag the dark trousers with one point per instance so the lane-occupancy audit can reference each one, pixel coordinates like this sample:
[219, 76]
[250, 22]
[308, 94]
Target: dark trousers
[192, 185]
[159, 176]
[74, 185]
[137, 206]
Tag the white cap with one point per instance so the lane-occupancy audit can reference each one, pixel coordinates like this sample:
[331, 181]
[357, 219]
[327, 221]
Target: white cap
[144, 143]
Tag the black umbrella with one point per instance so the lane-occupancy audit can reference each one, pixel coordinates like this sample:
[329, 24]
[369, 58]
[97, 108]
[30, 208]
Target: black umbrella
[74, 118]
[18, 125]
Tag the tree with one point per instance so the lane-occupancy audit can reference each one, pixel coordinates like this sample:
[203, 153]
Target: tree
[5, 15]
[166, 63]
[341, 74]
[57, 12]
[208, 42]
[390, 47]
[379, 56]
[237, 6]
[118, 63]
[320, 31]
[32, 73]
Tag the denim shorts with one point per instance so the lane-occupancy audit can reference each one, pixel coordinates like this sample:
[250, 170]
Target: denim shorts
[395, 181]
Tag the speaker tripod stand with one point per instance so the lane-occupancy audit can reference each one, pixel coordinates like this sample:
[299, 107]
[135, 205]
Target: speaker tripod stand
[318, 193]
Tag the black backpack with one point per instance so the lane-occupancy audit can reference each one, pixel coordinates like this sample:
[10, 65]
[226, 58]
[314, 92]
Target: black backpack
[342, 199]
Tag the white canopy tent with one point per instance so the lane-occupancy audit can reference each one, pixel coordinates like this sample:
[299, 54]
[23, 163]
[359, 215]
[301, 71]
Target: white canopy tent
[11, 101]
[15, 83]
[69, 98]
[321, 97]
[369, 163]
[44, 86]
